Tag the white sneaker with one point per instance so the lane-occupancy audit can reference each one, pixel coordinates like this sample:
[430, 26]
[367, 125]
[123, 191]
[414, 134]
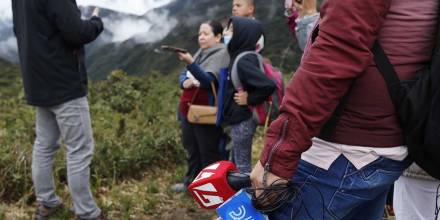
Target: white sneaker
[179, 188]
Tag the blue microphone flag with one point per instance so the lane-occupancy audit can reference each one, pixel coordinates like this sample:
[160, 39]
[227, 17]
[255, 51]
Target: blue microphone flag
[239, 207]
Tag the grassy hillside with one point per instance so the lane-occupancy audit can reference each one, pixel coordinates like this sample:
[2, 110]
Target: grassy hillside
[10, 82]
[134, 125]
[137, 156]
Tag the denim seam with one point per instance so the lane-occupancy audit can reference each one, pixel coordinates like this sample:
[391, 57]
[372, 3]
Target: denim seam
[329, 210]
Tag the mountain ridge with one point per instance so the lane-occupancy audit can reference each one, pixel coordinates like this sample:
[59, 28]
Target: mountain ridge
[139, 59]
[176, 24]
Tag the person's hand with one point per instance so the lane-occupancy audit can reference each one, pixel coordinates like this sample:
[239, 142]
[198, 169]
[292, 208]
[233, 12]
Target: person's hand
[306, 7]
[241, 98]
[188, 84]
[96, 12]
[258, 182]
[186, 57]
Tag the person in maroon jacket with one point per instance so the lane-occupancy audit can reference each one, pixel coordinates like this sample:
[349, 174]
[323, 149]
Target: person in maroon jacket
[346, 173]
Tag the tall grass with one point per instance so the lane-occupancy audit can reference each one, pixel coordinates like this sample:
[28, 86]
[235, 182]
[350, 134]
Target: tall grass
[134, 126]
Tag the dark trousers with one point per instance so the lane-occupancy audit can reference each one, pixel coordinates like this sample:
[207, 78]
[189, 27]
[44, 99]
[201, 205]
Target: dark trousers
[202, 145]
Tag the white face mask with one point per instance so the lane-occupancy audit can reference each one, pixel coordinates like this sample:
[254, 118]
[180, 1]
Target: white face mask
[226, 40]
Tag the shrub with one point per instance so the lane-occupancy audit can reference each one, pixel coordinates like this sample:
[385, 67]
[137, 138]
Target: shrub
[134, 126]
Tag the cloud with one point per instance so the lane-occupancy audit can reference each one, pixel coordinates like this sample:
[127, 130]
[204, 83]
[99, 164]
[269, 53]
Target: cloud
[146, 29]
[137, 7]
[142, 24]
[5, 10]
[8, 49]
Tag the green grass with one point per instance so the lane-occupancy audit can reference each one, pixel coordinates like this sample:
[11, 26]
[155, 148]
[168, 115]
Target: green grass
[138, 154]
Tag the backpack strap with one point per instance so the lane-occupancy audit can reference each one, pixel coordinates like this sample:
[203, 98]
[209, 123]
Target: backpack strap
[386, 69]
[213, 93]
[234, 73]
[435, 65]
[329, 127]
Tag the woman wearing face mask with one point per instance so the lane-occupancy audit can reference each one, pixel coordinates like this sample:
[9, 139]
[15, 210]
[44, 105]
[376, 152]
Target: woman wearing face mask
[201, 141]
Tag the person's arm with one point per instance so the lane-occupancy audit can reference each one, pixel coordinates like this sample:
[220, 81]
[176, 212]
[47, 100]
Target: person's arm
[257, 84]
[291, 22]
[306, 8]
[304, 28]
[67, 18]
[205, 78]
[340, 53]
[304, 16]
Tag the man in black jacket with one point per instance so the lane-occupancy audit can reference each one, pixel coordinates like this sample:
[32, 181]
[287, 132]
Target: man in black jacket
[51, 36]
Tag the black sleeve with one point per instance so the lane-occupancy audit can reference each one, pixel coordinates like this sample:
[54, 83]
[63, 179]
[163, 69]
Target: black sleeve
[67, 17]
[14, 17]
[256, 83]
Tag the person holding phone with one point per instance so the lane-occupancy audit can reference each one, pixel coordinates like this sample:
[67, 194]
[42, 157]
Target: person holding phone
[302, 16]
[51, 36]
[201, 141]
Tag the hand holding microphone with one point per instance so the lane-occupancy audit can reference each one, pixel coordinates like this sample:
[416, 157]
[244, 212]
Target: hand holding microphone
[215, 187]
[271, 192]
[217, 184]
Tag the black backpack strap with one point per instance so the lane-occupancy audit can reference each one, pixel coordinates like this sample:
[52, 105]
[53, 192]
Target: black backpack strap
[329, 127]
[384, 65]
[385, 68]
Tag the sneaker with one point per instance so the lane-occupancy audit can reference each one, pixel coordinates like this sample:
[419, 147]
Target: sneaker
[178, 188]
[43, 212]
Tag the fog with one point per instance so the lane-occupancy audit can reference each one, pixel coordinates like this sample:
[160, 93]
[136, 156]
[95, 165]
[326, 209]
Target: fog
[137, 21]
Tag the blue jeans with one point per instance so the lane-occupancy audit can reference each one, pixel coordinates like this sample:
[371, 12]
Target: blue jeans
[70, 122]
[342, 192]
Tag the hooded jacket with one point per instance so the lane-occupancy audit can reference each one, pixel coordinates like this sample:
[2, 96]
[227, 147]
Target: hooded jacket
[51, 36]
[246, 34]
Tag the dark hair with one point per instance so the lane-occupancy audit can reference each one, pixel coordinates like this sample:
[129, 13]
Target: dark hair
[216, 26]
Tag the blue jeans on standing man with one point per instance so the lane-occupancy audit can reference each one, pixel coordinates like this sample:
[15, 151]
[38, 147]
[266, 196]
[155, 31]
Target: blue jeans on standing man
[342, 192]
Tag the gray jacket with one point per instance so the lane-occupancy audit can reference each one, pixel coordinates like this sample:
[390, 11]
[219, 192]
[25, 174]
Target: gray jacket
[304, 28]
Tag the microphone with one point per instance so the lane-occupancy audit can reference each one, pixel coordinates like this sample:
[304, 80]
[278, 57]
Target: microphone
[211, 187]
[216, 186]
[239, 181]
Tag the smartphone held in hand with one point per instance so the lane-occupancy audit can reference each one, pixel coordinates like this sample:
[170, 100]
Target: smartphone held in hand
[173, 49]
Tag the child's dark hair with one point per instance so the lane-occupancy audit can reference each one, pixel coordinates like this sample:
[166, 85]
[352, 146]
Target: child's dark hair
[217, 27]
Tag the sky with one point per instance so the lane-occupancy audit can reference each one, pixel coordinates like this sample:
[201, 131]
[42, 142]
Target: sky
[5, 9]
[121, 29]
[138, 7]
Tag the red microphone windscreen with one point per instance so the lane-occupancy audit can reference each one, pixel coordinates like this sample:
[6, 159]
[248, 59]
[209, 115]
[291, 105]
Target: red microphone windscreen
[210, 188]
